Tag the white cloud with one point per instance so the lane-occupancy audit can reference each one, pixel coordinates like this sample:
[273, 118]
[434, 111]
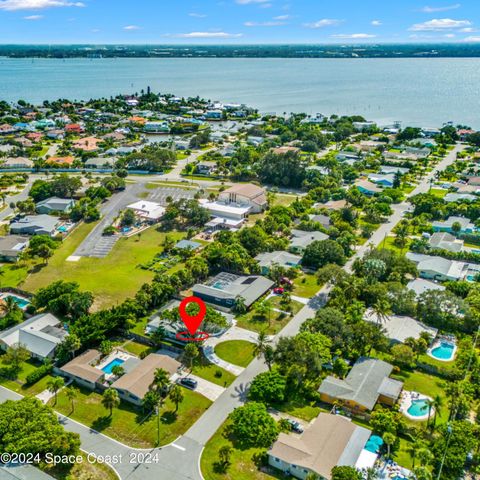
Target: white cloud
[12, 5]
[446, 8]
[439, 24]
[376, 23]
[353, 36]
[282, 17]
[449, 35]
[197, 15]
[467, 30]
[33, 17]
[264, 24]
[131, 27]
[208, 35]
[324, 22]
[472, 39]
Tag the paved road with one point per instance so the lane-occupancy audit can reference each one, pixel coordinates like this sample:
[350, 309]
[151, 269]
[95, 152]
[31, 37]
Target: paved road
[180, 460]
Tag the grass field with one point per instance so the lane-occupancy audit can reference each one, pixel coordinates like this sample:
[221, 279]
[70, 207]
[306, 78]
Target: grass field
[238, 352]
[438, 192]
[18, 385]
[111, 279]
[211, 372]
[305, 285]
[130, 425]
[251, 321]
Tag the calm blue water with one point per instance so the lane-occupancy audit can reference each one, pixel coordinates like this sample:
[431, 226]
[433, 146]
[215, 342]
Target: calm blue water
[418, 408]
[424, 92]
[444, 351]
[374, 444]
[108, 367]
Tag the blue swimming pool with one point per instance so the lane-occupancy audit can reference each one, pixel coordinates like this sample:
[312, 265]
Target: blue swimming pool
[418, 408]
[444, 351]
[62, 229]
[21, 302]
[374, 444]
[108, 367]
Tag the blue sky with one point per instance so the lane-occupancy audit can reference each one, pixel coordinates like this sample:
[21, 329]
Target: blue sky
[238, 21]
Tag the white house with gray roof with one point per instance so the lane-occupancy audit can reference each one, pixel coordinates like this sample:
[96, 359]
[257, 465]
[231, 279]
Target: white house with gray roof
[40, 335]
[445, 241]
[366, 384]
[466, 226]
[438, 268]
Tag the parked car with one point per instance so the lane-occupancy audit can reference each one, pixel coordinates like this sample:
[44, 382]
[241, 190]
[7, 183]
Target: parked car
[278, 290]
[296, 427]
[189, 383]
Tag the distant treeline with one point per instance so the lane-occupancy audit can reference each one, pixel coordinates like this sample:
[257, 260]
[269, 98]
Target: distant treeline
[241, 51]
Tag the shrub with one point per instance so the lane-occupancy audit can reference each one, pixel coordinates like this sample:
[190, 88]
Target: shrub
[39, 373]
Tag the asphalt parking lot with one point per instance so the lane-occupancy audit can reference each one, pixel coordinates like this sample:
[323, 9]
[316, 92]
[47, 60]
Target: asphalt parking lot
[161, 194]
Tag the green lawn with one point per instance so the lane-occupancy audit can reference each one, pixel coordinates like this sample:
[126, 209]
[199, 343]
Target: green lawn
[251, 321]
[305, 285]
[438, 192]
[283, 199]
[111, 279]
[18, 385]
[130, 425]
[211, 372]
[301, 408]
[137, 348]
[238, 352]
[242, 463]
[428, 385]
[389, 242]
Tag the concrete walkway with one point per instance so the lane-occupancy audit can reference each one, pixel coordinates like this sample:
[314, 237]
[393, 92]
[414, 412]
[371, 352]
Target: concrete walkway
[233, 333]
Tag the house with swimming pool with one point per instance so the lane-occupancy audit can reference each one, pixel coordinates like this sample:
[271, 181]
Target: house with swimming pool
[35, 225]
[224, 289]
[280, 258]
[330, 440]
[367, 383]
[94, 371]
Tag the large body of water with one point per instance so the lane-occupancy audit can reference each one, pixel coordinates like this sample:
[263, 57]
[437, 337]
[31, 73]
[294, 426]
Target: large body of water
[424, 92]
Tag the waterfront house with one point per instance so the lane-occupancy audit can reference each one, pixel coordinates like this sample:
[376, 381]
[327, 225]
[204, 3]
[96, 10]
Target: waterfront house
[17, 162]
[40, 335]
[60, 161]
[225, 288]
[328, 441]
[366, 384]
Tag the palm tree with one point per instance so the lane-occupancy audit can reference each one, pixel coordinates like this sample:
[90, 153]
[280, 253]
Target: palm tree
[382, 309]
[8, 304]
[71, 393]
[389, 439]
[437, 404]
[422, 473]
[176, 396]
[261, 345]
[110, 399]
[239, 305]
[264, 309]
[425, 456]
[161, 380]
[54, 385]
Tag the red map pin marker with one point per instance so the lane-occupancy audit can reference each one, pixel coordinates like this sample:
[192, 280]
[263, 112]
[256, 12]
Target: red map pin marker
[192, 322]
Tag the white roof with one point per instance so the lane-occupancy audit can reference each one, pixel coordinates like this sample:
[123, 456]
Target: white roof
[222, 208]
[40, 334]
[420, 285]
[147, 209]
[366, 460]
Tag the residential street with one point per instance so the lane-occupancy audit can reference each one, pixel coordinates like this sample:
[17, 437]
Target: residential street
[180, 460]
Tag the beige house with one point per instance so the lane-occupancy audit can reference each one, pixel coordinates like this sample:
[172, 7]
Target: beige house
[330, 440]
[246, 195]
[82, 371]
[133, 386]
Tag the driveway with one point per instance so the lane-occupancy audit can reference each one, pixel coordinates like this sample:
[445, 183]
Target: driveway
[208, 389]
